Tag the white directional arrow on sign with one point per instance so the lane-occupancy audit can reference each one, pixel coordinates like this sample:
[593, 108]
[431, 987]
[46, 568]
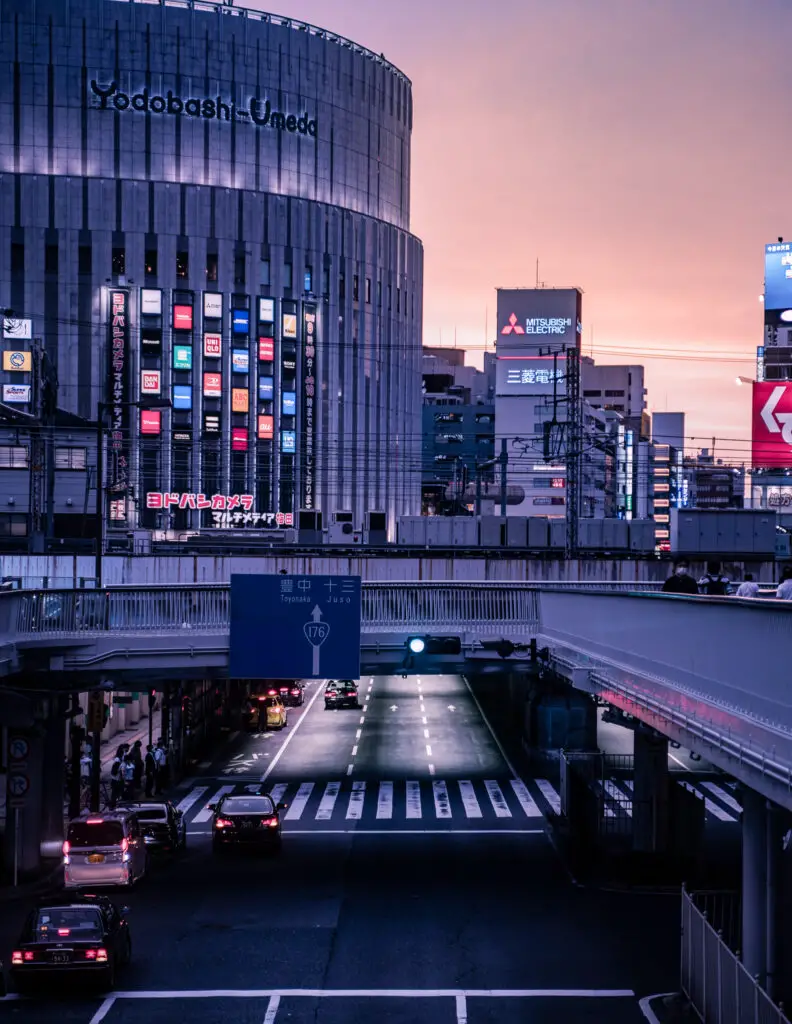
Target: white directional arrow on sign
[316, 632]
[768, 410]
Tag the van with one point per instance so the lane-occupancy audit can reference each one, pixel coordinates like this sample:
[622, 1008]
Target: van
[104, 850]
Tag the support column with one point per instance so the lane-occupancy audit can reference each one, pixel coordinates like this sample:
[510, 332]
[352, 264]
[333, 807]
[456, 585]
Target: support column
[754, 884]
[53, 778]
[775, 834]
[650, 792]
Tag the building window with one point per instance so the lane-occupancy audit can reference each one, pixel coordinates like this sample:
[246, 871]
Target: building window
[17, 258]
[13, 525]
[288, 276]
[592, 394]
[14, 456]
[264, 272]
[368, 291]
[182, 264]
[355, 288]
[239, 268]
[70, 458]
[614, 394]
[211, 266]
[84, 259]
[119, 261]
[326, 282]
[150, 260]
[308, 280]
[341, 287]
[50, 259]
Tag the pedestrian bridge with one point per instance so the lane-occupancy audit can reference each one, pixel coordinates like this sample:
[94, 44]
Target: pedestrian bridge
[714, 674]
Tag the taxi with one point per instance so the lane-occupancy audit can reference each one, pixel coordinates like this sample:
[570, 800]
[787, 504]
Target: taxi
[268, 712]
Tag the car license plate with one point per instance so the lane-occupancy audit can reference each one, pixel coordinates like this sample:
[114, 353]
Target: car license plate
[61, 958]
[96, 858]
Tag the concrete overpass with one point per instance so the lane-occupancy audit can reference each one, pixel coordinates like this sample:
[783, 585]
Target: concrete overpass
[710, 673]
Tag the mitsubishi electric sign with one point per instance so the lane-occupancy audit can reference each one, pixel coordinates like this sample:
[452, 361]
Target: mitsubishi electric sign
[772, 425]
[537, 317]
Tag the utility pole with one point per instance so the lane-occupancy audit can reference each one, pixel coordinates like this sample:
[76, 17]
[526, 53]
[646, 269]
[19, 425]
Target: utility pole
[573, 447]
[504, 460]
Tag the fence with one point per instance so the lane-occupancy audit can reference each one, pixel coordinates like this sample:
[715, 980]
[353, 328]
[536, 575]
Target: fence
[713, 977]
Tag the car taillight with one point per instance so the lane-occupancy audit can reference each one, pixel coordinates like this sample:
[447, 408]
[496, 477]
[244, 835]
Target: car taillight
[95, 821]
[16, 956]
[223, 823]
[66, 849]
[101, 954]
[90, 954]
[124, 845]
[29, 955]
[63, 932]
[270, 822]
[295, 693]
[272, 693]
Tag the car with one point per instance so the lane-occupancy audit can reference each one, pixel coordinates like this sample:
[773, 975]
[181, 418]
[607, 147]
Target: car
[267, 712]
[341, 693]
[291, 693]
[163, 826]
[106, 849]
[246, 821]
[76, 935]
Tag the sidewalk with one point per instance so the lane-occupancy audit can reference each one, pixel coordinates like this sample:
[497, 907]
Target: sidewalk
[129, 736]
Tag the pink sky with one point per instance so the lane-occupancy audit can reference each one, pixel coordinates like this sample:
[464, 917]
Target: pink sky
[638, 149]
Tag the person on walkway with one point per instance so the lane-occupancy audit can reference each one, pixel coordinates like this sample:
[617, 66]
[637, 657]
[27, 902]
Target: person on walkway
[136, 753]
[749, 587]
[714, 583]
[784, 592]
[161, 761]
[116, 778]
[128, 775]
[680, 581]
[151, 770]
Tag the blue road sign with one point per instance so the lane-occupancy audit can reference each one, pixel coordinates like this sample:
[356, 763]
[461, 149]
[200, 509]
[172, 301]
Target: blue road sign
[295, 627]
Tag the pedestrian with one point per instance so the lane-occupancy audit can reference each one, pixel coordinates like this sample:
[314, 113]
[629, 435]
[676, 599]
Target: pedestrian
[151, 770]
[116, 778]
[137, 760]
[784, 592]
[128, 775]
[161, 762]
[714, 583]
[748, 587]
[680, 581]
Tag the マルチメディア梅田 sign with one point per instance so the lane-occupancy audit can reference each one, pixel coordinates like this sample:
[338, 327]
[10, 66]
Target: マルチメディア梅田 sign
[258, 112]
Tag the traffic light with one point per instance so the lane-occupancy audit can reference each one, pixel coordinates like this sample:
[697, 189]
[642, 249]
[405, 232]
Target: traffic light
[434, 645]
[98, 712]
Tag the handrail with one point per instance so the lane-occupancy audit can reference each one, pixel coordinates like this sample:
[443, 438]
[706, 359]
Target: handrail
[220, 7]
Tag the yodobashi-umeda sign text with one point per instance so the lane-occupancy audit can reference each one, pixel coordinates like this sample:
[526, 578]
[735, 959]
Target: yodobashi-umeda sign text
[772, 425]
[539, 317]
[258, 112]
[228, 510]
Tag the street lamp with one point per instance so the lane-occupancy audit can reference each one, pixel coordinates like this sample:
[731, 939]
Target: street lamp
[101, 409]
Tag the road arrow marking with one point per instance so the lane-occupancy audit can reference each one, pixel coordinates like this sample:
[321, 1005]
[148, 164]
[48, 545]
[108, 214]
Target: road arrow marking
[452, 707]
[393, 707]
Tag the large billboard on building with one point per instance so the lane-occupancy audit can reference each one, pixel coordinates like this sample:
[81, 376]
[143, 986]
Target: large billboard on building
[118, 393]
[530, 375]
[539, 317]
[772, 425]
[778, 277]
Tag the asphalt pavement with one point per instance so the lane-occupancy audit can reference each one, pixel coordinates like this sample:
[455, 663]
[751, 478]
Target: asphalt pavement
[417, 884]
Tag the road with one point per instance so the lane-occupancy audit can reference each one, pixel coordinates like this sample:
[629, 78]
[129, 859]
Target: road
[416, 884]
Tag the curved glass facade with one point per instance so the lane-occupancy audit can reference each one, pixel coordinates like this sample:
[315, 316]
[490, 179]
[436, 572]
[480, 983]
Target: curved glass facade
[204, 211]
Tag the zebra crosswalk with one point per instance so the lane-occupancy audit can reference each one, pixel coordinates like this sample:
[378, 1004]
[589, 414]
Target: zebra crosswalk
[505, 803]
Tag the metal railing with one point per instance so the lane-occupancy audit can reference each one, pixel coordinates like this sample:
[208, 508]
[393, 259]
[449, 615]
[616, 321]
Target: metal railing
[714, 979]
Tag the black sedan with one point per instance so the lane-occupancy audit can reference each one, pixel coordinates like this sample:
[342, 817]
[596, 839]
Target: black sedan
[341, 693]
[291, 693]
[68, 937]
[163, 827]
[246, 821]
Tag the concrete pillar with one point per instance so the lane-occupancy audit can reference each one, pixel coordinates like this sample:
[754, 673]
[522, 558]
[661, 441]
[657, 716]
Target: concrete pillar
[24, 813]
[650, 792]
[775, 839]
[133, 713]
[754, 884]
[54, 753]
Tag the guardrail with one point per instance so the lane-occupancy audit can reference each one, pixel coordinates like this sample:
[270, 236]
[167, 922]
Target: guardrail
[714, 978]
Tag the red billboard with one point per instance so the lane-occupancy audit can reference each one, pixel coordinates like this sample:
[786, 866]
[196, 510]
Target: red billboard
[772, 425]
[182, 318]
[266, 349]
[150, 422]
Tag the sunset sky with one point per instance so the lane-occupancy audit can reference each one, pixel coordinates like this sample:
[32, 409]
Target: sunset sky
[637, 149]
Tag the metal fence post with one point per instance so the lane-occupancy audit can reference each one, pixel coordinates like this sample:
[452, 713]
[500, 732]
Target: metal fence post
[720, 977]
[737, 985]
[704, 966]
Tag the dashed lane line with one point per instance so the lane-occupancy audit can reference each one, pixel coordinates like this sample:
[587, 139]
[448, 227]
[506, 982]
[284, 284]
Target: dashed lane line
[428, 750]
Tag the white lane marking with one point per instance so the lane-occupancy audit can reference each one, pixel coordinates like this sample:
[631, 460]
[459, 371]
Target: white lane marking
[362, 719]
[461, 1008]
[277, 792]
[354, 750]
[356, 797]
[423, 708]
[618, 798]
[709, 806]
[272, 1009]
[645, 1006]
[350, 769]
[294, 813]
[424, 720]
[290, 737]
[385, 800]
[441, 801]
[193, 797]
[497, 799]
[387, 993]
[431, 769]
[426, 734]
[205, 814]
[200, 832]
[473, 831]
[491, 730]
[527, 802]
[365, 709]
[104, 1009]
[469, 801]
[368, 697]
[723, 796]
[680, 763]
[327, 803]
[358, 734]
[549, 794]
[428, 750]
[413, 800]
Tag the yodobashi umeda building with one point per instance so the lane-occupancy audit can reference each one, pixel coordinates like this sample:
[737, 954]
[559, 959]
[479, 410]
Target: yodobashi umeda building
[204, 211]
